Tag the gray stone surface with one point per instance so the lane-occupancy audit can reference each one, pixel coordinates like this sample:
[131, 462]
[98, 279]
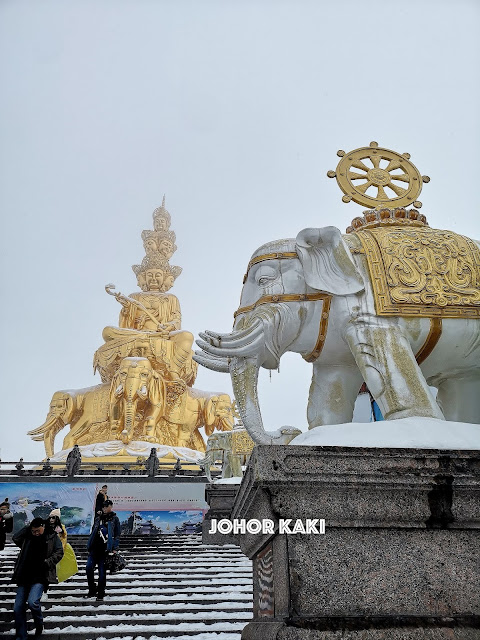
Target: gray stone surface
[401, 550]
[220, 498]
[391, 633]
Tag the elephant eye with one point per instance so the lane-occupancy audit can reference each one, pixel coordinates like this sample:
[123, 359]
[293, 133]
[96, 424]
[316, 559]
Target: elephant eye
[265, 275]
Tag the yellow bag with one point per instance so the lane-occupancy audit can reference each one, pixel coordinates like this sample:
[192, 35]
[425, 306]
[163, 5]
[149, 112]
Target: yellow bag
[67, 567]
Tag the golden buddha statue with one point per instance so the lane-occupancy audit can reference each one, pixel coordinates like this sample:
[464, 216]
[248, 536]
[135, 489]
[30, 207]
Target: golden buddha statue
[150, 322]
[147, 373]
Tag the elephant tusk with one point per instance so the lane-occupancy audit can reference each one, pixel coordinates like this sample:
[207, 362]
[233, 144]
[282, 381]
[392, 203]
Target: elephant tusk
[118, 391]
[235, 340]
[142, 392]
[247, 350]
[234, 335]
[214, 363]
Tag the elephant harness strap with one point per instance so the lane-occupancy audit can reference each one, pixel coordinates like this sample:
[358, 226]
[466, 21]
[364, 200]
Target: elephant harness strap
[299, 297]
[424, 351]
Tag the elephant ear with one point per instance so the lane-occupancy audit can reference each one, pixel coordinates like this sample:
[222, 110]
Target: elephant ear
[210, 415]
[327, 263]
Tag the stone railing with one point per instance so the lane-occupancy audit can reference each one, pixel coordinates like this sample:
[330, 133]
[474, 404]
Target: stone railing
[142, 467]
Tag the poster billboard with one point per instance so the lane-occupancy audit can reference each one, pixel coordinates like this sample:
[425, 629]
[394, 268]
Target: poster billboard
[30, 500]
[143, 508]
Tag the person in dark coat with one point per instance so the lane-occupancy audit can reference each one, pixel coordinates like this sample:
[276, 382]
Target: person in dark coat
[104, 539]
[73, 461]
[6, 523]
[35, 569]
[99, 502]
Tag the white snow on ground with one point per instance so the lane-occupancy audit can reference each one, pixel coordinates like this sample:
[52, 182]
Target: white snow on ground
[406, 433]
[174, 597]
[157, 606]
[182, 626]
[197, 636]
[234, 480]
[140, 592]
[161, 617]
[218, 591]
[126, 586]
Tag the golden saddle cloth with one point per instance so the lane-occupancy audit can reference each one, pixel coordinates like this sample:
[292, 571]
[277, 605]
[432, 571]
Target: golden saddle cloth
[422, 272]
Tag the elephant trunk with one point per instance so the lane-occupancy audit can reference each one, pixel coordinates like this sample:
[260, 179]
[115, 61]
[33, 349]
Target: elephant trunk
[247, 343]
[129, 416]
[244, 373]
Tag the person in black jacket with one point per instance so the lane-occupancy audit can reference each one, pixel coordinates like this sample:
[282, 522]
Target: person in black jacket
[104, 539]
[35, 569]
[6, 523]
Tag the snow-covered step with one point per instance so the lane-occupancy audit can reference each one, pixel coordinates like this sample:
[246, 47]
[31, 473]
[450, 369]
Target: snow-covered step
[172, 587]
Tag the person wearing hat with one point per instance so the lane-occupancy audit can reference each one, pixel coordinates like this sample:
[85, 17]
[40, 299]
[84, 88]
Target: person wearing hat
[104, 539]
[54, 524]
[35, 569]
[6, 523]
[67, 567]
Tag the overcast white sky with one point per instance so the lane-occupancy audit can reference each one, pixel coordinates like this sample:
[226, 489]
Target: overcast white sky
[235, 110]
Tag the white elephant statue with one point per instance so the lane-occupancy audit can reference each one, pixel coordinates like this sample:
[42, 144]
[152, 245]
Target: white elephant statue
[231, 448]
[315, 295]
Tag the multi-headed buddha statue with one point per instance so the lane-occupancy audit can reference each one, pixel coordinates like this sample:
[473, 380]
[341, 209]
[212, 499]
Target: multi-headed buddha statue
[150, 321]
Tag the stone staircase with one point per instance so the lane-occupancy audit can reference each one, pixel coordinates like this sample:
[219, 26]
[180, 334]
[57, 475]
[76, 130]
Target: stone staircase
[173, 587]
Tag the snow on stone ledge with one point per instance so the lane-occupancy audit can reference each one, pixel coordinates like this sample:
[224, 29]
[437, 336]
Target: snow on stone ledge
[234, 480]
[406, 433]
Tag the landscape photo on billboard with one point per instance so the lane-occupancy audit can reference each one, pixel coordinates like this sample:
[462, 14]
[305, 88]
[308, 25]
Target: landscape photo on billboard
[161, 522]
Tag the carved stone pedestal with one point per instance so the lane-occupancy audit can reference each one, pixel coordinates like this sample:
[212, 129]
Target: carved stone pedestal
[220, 498]
[400, 557]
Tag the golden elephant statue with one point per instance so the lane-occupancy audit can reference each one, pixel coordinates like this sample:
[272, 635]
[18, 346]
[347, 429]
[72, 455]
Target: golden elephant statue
[136, 400]
[137, 405]
[187, 410]
[85, 410]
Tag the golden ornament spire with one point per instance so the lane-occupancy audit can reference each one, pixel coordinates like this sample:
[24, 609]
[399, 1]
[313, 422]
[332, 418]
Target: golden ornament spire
[397, 183]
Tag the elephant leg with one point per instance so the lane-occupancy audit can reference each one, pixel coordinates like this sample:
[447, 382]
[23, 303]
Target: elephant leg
[234, 465]
[207, 462]
[115, 419]
[152, 418]
[77, 430]
[459, 399]
[333, 392]
[184, 434]
[387, 363]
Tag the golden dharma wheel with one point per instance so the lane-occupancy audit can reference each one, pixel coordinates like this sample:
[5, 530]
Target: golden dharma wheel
[375, 177]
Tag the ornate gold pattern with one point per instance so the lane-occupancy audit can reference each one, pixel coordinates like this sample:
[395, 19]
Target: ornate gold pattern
[285, 297]
[242, 444]
[422, 272]
[322, 330]
[388, 217]
[398, 183]
[287, 255]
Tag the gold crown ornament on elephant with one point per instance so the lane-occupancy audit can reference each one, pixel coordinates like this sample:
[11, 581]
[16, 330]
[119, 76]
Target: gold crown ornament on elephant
[393, 303]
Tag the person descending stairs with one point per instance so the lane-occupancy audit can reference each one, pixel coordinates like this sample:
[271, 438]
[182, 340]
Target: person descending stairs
[173, 587]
